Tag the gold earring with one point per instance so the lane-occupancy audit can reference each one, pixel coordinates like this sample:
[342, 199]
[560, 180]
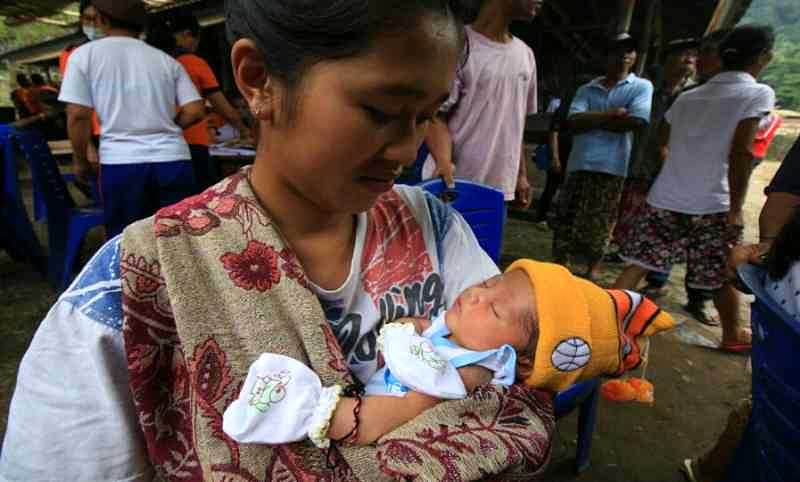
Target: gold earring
[259, 104]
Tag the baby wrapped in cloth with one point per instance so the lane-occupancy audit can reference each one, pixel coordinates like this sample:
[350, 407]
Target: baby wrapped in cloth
[536, 323]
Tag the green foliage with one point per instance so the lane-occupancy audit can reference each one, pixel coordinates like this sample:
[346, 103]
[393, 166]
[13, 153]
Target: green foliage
[14, 37]
[784, 72]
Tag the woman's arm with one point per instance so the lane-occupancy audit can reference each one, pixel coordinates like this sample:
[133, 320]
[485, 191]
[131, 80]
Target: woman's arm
[380, 415]
[72, 415]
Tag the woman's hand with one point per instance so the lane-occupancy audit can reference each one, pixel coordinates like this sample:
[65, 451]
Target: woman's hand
[743, 254]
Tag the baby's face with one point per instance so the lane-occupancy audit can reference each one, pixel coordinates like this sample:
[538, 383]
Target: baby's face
[494, 313]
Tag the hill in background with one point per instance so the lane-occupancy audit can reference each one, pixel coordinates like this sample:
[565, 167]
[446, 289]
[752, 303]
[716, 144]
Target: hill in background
[784, 72]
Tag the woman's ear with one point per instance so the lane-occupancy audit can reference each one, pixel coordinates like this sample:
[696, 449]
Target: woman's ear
[252, 79]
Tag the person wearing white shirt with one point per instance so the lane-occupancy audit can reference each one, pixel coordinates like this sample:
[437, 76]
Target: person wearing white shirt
[134, 88]
[694, 210]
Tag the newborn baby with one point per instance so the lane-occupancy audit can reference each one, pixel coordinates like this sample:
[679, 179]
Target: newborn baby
[536, 324]
[557, 329]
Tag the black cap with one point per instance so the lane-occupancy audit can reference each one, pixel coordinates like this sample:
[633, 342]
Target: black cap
[619, 41]
[129, 12]
[680, 44]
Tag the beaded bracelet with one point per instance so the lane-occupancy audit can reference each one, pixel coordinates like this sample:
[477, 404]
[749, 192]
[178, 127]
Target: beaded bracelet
[352, 391]
[352, 436]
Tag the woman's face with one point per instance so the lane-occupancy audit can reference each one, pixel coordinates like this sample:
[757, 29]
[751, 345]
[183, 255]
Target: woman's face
[357, 121]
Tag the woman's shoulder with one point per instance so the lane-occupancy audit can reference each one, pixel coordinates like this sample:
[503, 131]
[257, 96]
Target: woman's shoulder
[95, 293]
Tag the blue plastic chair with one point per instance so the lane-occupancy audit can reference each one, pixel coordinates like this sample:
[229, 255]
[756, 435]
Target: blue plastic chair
[412, 175]
[16, 232]
[483, 207]
[67, 225]
[770, 449]
[40, 207]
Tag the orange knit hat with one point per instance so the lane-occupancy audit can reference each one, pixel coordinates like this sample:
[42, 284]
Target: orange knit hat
[584, 330]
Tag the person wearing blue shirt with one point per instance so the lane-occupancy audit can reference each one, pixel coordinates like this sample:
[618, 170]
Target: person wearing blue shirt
[603, 114]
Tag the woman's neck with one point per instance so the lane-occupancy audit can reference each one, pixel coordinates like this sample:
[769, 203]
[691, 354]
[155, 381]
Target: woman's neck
[322, 240]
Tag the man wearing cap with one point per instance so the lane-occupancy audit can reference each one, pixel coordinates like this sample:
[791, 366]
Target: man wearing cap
[694, 210]
[604, 114]
[134, 89]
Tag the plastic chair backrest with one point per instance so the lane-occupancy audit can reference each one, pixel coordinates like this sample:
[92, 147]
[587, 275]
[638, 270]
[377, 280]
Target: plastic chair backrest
[413, 174]
[483, 207]
[47, 178]
[776, 381]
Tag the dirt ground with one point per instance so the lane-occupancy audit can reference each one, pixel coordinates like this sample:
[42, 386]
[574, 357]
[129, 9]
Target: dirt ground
[696, 386]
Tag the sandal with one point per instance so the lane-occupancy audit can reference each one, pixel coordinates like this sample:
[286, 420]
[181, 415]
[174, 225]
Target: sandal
[699, 313]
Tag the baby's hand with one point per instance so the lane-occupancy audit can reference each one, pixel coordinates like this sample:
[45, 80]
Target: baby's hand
[420, 324]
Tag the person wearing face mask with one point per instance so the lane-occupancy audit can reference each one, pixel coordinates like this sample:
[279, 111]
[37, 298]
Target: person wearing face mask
[134, 88]
[603, 114]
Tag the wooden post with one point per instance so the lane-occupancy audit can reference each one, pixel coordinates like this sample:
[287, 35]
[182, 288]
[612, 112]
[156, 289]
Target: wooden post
[721, 15]
[625, 16]
[647, 35]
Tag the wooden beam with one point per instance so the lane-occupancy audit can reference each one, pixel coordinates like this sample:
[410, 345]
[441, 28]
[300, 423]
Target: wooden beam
[625, 15]
[721, 15]
[646, 38]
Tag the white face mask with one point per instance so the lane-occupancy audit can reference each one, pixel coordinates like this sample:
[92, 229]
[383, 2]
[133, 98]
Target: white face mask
[92, 32]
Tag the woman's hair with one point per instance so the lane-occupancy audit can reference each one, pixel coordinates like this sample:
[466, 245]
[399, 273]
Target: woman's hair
[785, 250]
[742, 47]
[294, 35]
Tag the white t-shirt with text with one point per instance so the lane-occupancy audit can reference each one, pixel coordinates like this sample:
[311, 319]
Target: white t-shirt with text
[694, 179]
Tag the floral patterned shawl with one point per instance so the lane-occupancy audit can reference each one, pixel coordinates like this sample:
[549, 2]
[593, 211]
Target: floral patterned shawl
[208, 285]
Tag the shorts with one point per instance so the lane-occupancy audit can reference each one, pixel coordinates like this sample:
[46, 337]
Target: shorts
[135, 191]
[662, 238]
[588, 211]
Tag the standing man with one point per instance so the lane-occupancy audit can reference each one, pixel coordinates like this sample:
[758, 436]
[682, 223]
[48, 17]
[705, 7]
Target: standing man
[694, 210]
[479, 132]
[186, 31]
[134, 89]
[603, 115]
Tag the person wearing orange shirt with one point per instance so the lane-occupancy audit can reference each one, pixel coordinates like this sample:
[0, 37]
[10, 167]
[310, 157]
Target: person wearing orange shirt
[21, 97]
[186, 32]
